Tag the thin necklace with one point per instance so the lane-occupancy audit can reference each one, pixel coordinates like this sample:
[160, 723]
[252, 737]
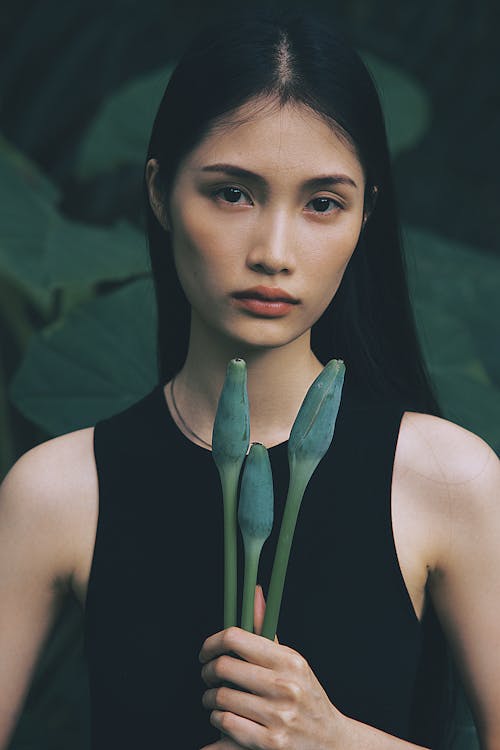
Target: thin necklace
[180, 416]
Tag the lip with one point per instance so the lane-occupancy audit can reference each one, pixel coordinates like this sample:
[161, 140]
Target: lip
[264, 307]
[266, 293]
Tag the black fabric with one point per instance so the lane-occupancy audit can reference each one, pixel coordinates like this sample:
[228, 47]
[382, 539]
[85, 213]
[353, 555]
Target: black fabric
[156, 584]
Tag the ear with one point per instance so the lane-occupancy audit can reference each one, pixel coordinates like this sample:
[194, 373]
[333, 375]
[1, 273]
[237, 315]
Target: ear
[152, 172]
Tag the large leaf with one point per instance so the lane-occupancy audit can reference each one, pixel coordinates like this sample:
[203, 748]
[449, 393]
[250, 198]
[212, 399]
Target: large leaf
[41, 251]
[23, 167]
[120, 131]
[455, 292]
[406, 106]
[469, 402]
[453, 273]
[98, 360]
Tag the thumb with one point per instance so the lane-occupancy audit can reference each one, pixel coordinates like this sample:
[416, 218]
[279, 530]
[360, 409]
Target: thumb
[259, 611]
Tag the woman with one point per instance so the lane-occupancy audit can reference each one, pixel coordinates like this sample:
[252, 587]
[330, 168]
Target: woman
[268, 178]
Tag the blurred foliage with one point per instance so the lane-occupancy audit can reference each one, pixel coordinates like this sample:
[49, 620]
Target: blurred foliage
[455, 296]
[50, 252]
[406, 106]
[120, 132]
[95, 359]
[78, 318]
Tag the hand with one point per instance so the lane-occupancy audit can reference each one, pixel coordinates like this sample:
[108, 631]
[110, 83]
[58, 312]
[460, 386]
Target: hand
[277, 702]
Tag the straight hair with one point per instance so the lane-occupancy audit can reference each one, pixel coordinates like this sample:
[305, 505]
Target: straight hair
[269, 58]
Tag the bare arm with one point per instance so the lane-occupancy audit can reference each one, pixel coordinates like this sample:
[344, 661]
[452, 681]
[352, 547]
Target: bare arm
[466, 590]
[35, 568]
[461, 490]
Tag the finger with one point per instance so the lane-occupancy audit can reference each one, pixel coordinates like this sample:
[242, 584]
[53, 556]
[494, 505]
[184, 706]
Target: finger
[259, 609]
[239, 673]
[249, 646]
[247, 705]
[243, 731]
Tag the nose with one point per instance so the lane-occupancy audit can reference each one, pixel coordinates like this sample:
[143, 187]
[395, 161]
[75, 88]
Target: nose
[271, 244]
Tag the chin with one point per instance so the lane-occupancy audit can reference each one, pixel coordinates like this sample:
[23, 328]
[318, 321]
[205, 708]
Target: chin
[262, 337]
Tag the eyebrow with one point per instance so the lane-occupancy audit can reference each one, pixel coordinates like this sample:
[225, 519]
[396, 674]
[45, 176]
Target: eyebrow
[320, 181]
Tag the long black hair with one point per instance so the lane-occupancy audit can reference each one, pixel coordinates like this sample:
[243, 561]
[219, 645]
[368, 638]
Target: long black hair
[282, 56]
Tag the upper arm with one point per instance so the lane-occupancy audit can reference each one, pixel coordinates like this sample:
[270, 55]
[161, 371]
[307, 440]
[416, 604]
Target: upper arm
[465, 584]
[35, 568]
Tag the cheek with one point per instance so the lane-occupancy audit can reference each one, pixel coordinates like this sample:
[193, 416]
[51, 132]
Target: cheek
[201, 258]
[327, 268]
[203, 239]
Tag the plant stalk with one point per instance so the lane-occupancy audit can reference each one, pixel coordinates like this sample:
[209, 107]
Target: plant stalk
[229, 496]
[295, 494]
[253, 549]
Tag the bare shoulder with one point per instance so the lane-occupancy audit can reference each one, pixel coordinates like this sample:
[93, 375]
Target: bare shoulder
[436, 458]
[53, 487]
[445, 450]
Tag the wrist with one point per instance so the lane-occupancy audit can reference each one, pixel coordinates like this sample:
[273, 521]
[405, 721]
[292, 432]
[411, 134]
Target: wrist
[354, 735]
[343, 738]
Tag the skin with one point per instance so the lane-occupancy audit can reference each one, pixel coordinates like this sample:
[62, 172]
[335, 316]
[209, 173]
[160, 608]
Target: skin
[279, 239]
[284, 707]
[279, 235]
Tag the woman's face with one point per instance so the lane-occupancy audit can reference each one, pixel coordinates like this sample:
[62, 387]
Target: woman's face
[275, 228]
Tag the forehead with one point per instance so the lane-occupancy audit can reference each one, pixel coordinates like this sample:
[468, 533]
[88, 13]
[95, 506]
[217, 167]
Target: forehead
[271, 137]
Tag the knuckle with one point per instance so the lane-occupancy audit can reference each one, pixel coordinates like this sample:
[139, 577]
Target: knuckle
[294, 692]
[277, 740]
[298, 662]
[287, 718]
[230, 636]
[290, 692]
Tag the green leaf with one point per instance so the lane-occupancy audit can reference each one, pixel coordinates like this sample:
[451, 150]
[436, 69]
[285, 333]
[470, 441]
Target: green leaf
[95, 362]
[454, 288]
[406, 105]
[25, 171]
[86, 254]
[41, 251]
[120, 131]
[119, 134]
[468, 402]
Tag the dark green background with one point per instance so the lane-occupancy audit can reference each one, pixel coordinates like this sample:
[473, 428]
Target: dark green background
[73, 261]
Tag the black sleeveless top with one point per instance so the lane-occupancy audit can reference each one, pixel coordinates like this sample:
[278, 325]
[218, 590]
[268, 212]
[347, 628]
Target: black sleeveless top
[155, 591]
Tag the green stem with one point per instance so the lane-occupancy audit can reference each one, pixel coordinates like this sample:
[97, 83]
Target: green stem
[229, 496]
[253, 548]
[292, 506]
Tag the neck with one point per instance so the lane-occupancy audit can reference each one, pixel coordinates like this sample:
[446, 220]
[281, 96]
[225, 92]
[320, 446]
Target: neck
[277, 382]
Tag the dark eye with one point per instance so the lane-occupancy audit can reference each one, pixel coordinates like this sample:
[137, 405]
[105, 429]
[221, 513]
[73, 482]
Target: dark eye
[231, 194]
[321, 204]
